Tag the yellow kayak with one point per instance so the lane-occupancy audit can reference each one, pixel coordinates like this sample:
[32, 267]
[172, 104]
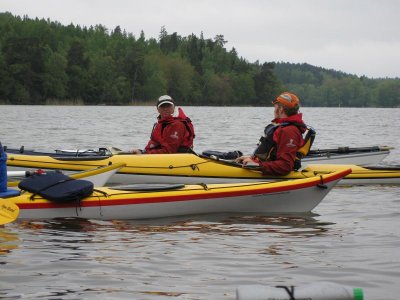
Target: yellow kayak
[191, 168]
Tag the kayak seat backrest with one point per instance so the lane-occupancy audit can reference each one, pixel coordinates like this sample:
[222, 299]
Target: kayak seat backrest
[57, 187]
[305, 149]
[308, 142]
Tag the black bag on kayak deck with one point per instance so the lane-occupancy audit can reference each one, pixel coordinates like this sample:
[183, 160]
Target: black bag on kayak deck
[223, 155]
[57, 187]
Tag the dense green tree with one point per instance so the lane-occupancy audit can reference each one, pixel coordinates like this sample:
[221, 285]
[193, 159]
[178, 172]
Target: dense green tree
[42, 61]
[179, 74]
[266, 84]
[243, 88]
[77, 70]
[24, 58]
[389, 93]
[217, 89]
[132, 67]
[320, 87]
[55, 78]
[195, 53]
[5, 81]
[155, 83]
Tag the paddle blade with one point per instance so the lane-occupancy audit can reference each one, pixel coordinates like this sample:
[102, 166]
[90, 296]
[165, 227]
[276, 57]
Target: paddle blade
[8, 212]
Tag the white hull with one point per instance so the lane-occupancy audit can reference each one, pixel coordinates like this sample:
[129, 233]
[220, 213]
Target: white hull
[102, 178]
[292, 201]
[360, 159]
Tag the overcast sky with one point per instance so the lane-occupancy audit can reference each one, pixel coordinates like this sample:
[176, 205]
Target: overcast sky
[359, 37]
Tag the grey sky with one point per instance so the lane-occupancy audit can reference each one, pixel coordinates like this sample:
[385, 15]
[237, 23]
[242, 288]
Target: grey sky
[359, 37]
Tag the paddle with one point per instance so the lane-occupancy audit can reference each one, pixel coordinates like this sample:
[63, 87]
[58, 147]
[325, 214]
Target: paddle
[17, 173]
[8, 211]
[341, 150]
[230, 162]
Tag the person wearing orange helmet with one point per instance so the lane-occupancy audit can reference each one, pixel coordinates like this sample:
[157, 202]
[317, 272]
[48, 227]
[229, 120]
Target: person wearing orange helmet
[277, 149]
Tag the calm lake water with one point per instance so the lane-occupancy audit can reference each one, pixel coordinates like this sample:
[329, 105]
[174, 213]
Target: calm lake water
[352, 237]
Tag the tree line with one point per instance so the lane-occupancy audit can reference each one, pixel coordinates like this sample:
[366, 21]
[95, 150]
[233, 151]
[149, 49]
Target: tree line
[45, 62]
[329, 88]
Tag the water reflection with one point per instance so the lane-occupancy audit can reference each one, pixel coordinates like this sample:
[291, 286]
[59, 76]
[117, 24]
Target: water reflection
[285, 225]
[303, 225]
[8, 241]
[60, 224]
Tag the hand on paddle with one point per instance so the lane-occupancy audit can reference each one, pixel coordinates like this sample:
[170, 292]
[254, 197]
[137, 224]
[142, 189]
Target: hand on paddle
[137, 151]
[247, 160]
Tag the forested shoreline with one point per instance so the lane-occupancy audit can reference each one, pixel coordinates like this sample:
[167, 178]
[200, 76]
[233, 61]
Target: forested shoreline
[45, 62]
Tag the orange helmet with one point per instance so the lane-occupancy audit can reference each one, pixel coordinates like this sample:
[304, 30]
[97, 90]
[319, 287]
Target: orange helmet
[287, 99]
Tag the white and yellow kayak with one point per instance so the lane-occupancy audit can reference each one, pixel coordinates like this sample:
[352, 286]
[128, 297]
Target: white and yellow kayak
[156, 201]
[360, 175]
[9, 211]
[191, 168]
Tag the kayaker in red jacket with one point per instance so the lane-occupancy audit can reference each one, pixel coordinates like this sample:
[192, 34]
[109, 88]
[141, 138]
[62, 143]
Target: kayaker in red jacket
[276, 153]
[173, 133]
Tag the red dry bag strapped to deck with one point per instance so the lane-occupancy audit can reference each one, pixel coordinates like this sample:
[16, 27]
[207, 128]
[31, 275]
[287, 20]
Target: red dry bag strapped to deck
[57, 187]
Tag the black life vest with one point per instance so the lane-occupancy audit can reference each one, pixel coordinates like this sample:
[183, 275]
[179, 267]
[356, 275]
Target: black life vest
[266, 148]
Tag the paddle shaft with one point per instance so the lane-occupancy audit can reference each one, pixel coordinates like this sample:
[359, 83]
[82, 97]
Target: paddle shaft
[16, 173]
[349, 149]
[229, 162]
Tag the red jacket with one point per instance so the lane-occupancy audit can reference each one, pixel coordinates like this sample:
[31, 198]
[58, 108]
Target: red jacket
[288, 140]
[171, 135]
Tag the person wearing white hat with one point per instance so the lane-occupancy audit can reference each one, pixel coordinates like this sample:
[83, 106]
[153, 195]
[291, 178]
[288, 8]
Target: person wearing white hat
[173, 132]
[165, 99]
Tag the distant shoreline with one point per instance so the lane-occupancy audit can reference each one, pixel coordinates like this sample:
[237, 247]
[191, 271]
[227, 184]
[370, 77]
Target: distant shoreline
[151, 103]
[81, 103]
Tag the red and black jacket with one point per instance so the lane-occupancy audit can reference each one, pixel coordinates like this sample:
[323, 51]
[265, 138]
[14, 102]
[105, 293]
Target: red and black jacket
[278, 149]
[171, 135]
